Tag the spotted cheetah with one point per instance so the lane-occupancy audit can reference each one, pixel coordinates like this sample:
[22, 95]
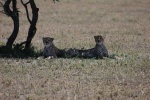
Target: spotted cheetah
[99, 51]
[50, 50]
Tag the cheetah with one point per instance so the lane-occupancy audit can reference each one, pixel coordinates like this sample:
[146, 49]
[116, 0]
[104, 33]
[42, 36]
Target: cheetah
[73, 52]
[50, 50]
[99, 51]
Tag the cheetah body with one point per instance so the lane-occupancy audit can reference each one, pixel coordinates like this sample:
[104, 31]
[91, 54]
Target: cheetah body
[99, 51]
[50, 50]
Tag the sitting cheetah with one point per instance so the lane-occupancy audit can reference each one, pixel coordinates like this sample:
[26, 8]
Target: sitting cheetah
[50, 50]
[99, 51]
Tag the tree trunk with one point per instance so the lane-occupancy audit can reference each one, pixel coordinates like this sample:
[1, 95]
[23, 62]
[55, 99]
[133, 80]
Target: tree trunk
[32, 29]
[15, 17]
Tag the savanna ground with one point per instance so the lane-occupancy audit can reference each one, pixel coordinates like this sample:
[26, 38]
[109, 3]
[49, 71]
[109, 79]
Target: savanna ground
[125, 24]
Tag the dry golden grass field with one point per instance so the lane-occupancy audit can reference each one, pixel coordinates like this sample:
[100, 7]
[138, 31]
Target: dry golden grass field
[125, 24]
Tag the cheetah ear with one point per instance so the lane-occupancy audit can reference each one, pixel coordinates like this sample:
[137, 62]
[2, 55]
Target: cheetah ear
[103, 38]
[95, 37]
[52, 39]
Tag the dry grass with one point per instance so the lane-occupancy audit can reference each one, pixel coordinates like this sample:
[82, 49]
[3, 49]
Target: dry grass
[73, 23]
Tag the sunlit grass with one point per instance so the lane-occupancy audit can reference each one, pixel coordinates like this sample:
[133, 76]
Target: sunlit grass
[73, 24]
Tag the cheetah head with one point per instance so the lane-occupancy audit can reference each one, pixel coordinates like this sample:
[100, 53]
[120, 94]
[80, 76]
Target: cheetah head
[47, 41]
[99, 39]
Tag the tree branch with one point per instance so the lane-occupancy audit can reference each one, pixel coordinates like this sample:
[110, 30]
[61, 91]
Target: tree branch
[26, 8]
[7, 10]
[25, 41]
[32, 29]
[15, 17]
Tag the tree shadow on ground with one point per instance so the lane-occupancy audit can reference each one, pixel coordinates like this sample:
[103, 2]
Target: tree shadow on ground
[18, 51]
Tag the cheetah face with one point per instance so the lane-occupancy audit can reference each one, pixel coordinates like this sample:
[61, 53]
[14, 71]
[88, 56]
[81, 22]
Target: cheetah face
[47, 41]
[99, 39]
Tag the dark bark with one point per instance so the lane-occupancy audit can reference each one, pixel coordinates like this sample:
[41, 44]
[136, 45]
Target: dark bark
[32, 29]
[15, 17]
